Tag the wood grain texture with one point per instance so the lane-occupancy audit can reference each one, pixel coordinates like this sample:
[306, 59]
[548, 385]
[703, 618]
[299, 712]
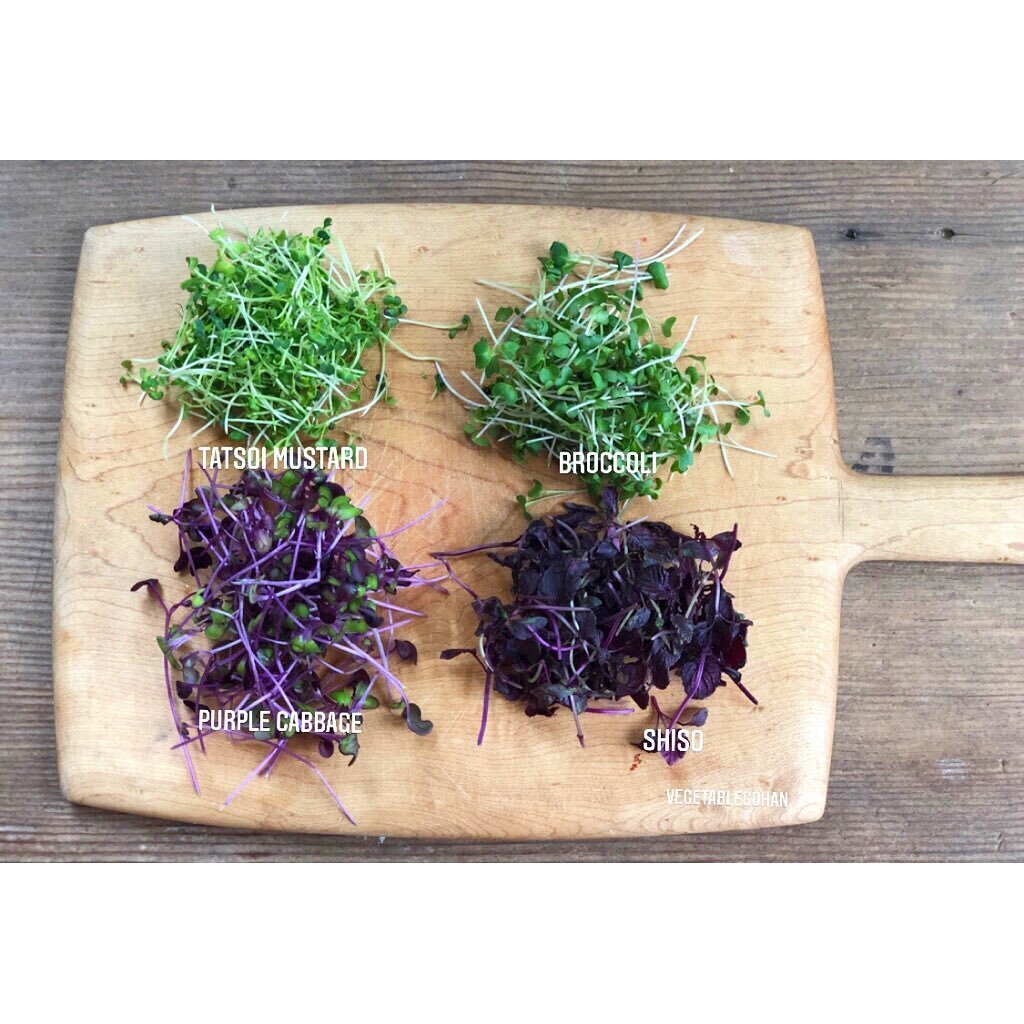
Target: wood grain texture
[925, 403]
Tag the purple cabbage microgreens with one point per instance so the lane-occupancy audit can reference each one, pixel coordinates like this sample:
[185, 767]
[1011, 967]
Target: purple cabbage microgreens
[294, 609]
[604, 610]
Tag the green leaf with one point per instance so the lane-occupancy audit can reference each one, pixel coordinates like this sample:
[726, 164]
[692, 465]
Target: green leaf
[349, 746]
[462, 325]
[666, 327]
[165, 649]
[416, 722]
[659, 275]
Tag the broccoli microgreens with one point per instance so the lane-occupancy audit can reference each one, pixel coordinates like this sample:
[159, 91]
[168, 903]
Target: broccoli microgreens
[293, 610]
[272, 337]
[538, 492]
[604, 610]
[577, 366]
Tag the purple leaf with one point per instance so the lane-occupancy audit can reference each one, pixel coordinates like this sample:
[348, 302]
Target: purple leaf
[603, 610]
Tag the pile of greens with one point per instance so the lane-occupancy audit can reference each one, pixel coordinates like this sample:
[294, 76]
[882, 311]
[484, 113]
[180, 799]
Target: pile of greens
[271, 342]
[603, 610]
[293, 609]
[580, 366]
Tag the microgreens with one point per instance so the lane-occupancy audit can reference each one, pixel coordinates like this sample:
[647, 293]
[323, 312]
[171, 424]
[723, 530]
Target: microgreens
[271, 342]
[577, 366]
[538, 492]
[604, 610]
[293, 610]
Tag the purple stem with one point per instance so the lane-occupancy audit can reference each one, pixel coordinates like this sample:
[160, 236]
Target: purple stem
[487, 701]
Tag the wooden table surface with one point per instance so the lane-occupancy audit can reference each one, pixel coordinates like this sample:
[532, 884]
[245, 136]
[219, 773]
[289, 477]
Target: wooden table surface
[923, 273]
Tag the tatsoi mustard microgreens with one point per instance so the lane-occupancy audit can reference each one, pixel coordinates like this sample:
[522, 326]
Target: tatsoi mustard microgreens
[578, 366]
[604, 610]
[271, 342]
[293, 611]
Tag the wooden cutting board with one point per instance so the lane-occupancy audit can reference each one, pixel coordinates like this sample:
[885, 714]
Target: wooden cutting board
[804, 520]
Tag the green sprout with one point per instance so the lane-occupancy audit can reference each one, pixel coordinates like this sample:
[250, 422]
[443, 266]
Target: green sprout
[575, 365]
[539, 493]
[272, 338]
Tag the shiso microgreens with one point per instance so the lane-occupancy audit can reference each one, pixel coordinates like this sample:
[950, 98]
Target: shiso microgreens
[293, 609]
[578, 365]
[604, 610]
[272, 338]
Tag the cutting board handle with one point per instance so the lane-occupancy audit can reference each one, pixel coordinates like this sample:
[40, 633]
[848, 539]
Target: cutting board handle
[934, 518]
